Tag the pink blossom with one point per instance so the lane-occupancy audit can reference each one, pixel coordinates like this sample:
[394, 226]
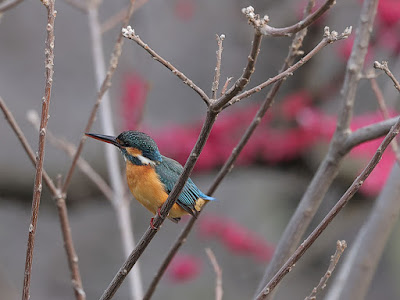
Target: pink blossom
[389, 12]
[184, 267]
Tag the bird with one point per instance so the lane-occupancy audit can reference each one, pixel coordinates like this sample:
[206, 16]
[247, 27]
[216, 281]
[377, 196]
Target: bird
[152, 176]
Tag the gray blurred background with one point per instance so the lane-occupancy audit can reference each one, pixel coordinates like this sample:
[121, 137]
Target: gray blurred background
[257, 197]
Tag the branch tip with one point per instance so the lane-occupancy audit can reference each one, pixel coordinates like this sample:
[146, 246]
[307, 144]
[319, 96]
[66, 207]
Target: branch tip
[128, 32]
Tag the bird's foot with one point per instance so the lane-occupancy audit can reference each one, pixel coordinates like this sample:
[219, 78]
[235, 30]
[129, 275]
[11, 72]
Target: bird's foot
[152, 224]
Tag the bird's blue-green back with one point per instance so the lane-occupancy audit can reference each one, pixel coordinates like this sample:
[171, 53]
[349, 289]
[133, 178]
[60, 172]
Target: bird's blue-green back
[169, 171]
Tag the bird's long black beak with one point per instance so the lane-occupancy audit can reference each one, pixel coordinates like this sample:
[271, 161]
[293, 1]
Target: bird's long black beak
[104, 138]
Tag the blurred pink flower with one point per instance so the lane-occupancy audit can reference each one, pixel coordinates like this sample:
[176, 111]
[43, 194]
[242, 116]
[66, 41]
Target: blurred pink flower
[184, 9]
[389, 12]
[184, 267]
[135, 89]
[235, 237]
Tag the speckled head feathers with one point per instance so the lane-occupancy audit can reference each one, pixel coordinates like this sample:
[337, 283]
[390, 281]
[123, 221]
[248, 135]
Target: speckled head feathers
[142, 142]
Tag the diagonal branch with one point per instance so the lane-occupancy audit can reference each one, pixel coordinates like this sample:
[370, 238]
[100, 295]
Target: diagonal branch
[8, 5]
[37, 189]
[351, 191]
[129, 33]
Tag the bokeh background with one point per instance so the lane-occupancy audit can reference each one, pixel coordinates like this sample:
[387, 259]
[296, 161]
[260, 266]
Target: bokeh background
[256, 199]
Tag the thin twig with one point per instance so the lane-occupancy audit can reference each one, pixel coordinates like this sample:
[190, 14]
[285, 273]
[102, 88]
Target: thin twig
[384, 67]
[329, 167]
[340, 247]
[385, 113]
[218, 272]
[329, 37]
[351, 191]
[61, 207]
[244, 79]
[8, 5]
[129, 33]
[225, 87]
[37, 189]
[215, 84]
[261, 24]
[70, 150]
[117, 18]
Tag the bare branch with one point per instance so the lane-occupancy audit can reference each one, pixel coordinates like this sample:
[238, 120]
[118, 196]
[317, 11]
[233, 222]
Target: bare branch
[262, 26]
[129, 33]
[8, 5]
[241, 83]
[37, 189]
[218, 272]
[384, 67]
[225, 87]
[367, 133]
[329, 37]
[340, 247]
[385, 113]
[215, 84]
[355, 186]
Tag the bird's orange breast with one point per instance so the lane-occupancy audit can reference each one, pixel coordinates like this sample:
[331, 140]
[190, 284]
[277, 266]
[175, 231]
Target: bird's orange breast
[147, 188]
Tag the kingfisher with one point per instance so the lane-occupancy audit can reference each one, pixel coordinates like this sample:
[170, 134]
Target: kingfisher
[152, 176]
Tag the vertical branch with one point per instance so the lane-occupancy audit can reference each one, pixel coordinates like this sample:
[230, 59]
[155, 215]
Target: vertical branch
[219, 292]
[119, 201]
[215, 84]
[37, 189]
[340, 247]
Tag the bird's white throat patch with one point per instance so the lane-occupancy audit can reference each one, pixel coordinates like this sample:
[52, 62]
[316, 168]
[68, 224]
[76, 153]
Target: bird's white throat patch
[145, 160]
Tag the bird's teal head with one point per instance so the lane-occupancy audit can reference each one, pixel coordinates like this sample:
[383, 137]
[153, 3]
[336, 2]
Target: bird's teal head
[136, 147]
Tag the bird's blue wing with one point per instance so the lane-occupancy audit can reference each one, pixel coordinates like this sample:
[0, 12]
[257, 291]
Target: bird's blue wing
[169, 171]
